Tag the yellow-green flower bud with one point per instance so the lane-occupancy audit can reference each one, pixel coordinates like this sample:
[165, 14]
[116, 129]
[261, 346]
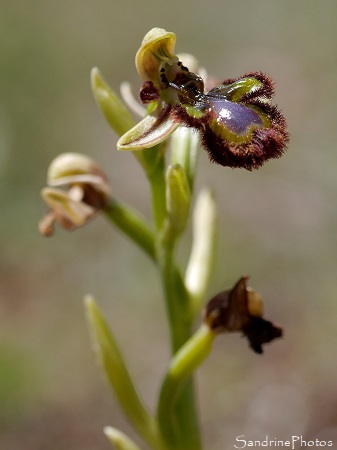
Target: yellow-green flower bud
[177, 198]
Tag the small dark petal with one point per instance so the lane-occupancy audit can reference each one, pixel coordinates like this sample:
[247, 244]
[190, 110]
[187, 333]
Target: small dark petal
[260, 331]
[148, 92]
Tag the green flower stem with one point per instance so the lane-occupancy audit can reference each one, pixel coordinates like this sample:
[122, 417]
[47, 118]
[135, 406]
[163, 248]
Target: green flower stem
[182, 425]
[182, 366]
[132, 224]
[119, 377]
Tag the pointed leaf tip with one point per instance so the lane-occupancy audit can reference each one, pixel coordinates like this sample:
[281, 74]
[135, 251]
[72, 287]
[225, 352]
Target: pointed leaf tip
[113, 109]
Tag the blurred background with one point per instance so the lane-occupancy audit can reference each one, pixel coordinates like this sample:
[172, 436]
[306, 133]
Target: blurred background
[277, 224]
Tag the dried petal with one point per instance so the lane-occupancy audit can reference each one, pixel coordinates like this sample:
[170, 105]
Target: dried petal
[69, 212]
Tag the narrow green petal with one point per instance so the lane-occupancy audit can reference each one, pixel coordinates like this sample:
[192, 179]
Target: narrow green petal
[119, 440]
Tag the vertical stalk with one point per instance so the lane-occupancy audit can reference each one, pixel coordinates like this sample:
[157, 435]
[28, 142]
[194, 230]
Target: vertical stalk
[183, 431]
[184, 427]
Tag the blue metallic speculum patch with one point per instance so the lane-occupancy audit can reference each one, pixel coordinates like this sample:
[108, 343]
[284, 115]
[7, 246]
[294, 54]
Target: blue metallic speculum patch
[237, 118]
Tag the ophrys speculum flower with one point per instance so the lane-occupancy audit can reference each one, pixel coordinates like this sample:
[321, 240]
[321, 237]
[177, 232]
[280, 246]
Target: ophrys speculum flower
[236, 121]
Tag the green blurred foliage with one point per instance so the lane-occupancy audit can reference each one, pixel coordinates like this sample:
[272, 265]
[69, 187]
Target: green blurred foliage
[277, 224]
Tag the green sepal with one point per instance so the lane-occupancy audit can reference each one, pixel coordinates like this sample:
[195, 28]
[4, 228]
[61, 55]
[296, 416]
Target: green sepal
[113, 109]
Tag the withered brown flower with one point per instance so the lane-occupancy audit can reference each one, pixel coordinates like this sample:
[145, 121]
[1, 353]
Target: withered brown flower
[241, 309]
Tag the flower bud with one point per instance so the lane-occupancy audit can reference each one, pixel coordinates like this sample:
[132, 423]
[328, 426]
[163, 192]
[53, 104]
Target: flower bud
[200, 264]
[178, 198]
